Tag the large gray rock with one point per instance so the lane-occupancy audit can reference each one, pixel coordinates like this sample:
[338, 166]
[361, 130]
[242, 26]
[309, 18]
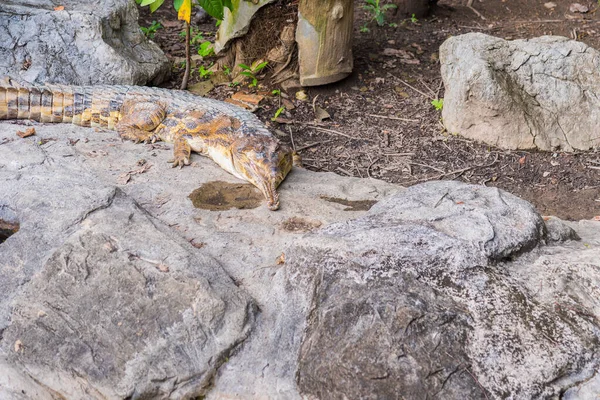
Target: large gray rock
[82, 44]
[523, 94]
[116, 286]
[113, 289]
[420, 298]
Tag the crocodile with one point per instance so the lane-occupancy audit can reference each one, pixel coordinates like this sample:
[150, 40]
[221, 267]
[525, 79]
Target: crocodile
[232, 137]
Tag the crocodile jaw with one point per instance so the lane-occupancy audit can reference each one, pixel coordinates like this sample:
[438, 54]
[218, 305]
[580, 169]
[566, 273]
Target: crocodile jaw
[265, 165]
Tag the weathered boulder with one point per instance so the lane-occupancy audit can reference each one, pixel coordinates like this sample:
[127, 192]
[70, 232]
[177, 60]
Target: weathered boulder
[116, 286]
[79, 44]
[420, 298]
[523, 94]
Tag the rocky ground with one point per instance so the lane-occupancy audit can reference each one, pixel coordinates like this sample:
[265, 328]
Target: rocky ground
[123, 282]
[383, 124]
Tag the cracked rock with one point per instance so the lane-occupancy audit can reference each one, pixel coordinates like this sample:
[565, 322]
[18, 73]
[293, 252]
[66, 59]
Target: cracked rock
[523, 94]
[80, 44]
[423, 298]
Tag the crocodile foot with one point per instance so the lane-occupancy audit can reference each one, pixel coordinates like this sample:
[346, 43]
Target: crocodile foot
[179, 161]
[138, 136]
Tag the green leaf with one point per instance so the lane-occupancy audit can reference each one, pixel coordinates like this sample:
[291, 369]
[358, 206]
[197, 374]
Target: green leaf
[144, 3]
[438, 104]
[206, 49]
[244, 66]
[227, 3]
[247, 73]
[260, 66]
[214, 8]
[278, 113]
[154, 6]
[177, 4]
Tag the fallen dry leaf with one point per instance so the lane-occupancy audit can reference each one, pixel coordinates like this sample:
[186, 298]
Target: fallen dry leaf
[27, 133]
[281, 259]
[18, 346]
[596, 218]
[321, 114]
[253, 99]
[59, 8]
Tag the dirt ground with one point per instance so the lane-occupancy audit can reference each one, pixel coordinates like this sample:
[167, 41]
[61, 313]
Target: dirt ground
[383, 124]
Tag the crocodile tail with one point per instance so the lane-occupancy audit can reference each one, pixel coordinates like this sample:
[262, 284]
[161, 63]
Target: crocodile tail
[79, 105]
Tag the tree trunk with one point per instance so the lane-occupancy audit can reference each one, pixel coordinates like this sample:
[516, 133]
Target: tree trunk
[324, 37]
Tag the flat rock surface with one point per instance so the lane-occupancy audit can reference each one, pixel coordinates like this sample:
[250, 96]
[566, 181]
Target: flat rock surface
[116, 285]
[77, 42]
[522, 94]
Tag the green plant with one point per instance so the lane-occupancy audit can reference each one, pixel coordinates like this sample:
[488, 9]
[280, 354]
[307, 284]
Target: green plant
[438, 104]
[150, 31]
[204, 73]
[277, 92]
[393, 25]
[226, 70]
[278, 113]
[413, 19]
[214, 8]
[377, 10]
[251, 72]
[206, 49]
[197, 37]
[365, 28]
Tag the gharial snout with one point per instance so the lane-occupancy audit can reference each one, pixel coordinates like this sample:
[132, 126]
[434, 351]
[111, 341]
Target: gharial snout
[269, 190]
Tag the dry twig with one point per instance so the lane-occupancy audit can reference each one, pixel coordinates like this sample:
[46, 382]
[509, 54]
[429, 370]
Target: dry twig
[393, 118]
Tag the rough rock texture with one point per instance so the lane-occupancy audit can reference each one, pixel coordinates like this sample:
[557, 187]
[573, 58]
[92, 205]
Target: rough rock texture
[112, 289]
[523, 94]
[419, 298]
[116, 286]
[81, 44]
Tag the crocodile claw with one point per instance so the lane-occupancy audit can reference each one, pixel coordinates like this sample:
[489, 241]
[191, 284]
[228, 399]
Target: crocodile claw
[179, 162]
